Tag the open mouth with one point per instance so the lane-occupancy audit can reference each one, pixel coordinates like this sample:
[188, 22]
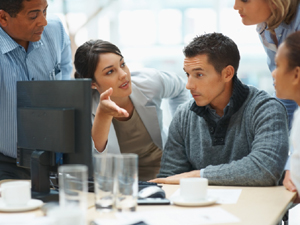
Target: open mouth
[124, 84]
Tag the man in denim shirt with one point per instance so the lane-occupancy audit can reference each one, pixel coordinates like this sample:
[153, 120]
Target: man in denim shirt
[29, 50]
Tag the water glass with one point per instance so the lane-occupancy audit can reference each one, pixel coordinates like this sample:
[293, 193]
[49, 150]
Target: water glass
[66, 216]
[73, 186]
[126, 182]
[104, 182]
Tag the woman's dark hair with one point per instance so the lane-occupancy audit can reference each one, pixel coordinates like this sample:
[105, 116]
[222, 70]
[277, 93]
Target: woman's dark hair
[12, 7]
[292, 42]
[220, 50]
[87, 57]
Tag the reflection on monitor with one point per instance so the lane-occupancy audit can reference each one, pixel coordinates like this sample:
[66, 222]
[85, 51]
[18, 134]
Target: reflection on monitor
[53, 117]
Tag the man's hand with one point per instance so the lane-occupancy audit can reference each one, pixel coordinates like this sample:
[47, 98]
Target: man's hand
[297, 200]
[289, 185]
[287, 182]
[176, 178]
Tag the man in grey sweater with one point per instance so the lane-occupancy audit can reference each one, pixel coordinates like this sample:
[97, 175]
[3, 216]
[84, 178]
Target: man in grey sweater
[230, 133]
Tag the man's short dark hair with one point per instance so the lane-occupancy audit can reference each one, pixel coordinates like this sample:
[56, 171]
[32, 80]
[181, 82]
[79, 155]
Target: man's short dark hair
[220, 50]
[12, 7]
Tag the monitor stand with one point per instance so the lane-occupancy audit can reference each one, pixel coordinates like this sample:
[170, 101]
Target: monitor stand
[52, 196]
[40, 180]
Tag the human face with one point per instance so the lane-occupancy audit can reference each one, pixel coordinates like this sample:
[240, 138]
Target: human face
[112, 72]
[283, 75]
[253, 11]
[29, 23]
[204, 82]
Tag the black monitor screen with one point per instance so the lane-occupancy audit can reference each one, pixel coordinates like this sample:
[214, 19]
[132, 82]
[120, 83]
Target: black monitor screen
[54, 127]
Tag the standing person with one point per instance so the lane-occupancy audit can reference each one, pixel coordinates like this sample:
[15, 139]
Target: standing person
[31, 48]
[126, 111]
[230, 133]
[275, 20]
[287, 84]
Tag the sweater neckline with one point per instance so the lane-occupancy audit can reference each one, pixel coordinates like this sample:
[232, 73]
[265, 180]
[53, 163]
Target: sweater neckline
[218, 129]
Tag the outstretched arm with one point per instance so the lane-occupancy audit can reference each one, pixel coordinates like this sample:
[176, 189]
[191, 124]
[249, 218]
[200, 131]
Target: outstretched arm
[106, 110]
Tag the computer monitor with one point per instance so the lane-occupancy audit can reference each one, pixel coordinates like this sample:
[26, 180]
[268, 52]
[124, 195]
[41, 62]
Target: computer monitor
[53, 117]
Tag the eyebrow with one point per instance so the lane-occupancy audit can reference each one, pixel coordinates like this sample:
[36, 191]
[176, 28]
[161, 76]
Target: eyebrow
[196, 69]
[112, 65]
[37, 10]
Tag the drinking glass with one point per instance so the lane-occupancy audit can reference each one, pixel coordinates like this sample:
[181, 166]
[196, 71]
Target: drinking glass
[104, 182]
[73, 186]
[126, 182]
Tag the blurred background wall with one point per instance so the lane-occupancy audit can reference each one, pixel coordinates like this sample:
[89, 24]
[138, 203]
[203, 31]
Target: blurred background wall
[152, 33]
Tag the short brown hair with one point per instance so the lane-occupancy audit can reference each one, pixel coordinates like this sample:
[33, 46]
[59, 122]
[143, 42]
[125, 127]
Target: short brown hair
[220, 50]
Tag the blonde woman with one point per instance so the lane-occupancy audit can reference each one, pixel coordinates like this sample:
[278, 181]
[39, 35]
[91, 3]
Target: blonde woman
[275, 20]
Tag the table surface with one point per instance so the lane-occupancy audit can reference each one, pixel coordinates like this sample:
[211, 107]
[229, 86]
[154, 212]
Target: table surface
[256, 205]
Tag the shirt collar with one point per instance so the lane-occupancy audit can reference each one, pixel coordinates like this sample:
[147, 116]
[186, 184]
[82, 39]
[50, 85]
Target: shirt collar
[261, 27]
[278, 30]
[213, 112]
[8, 44]
[34, 45]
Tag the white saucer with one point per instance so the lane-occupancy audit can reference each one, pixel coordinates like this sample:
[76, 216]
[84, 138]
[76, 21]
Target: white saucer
[178, 200]
[32, 204]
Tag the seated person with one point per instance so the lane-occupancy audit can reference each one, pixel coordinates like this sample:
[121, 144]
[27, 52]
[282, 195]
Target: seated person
[126, 111]
[230, 133]
[287, 84]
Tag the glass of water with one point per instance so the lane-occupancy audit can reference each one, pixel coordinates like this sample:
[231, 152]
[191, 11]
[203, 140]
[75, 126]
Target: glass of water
[73, 186]
[104, 181]
[126, 182]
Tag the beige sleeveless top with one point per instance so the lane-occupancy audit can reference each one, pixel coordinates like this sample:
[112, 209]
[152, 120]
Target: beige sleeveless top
[134, 138]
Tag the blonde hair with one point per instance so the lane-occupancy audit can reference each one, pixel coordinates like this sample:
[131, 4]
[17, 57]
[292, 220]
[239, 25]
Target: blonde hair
[282, 11]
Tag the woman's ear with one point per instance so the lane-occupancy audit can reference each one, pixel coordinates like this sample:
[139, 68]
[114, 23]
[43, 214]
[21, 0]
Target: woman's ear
[93, 86]
[296, 79]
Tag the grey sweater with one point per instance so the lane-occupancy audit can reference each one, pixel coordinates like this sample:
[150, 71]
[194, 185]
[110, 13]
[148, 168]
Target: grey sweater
[247, 146]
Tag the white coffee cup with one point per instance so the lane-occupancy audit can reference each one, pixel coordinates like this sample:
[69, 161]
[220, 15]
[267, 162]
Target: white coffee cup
[15, 193]
[193, 189]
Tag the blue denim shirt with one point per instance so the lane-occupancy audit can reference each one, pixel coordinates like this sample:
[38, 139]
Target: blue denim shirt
[282, 31]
